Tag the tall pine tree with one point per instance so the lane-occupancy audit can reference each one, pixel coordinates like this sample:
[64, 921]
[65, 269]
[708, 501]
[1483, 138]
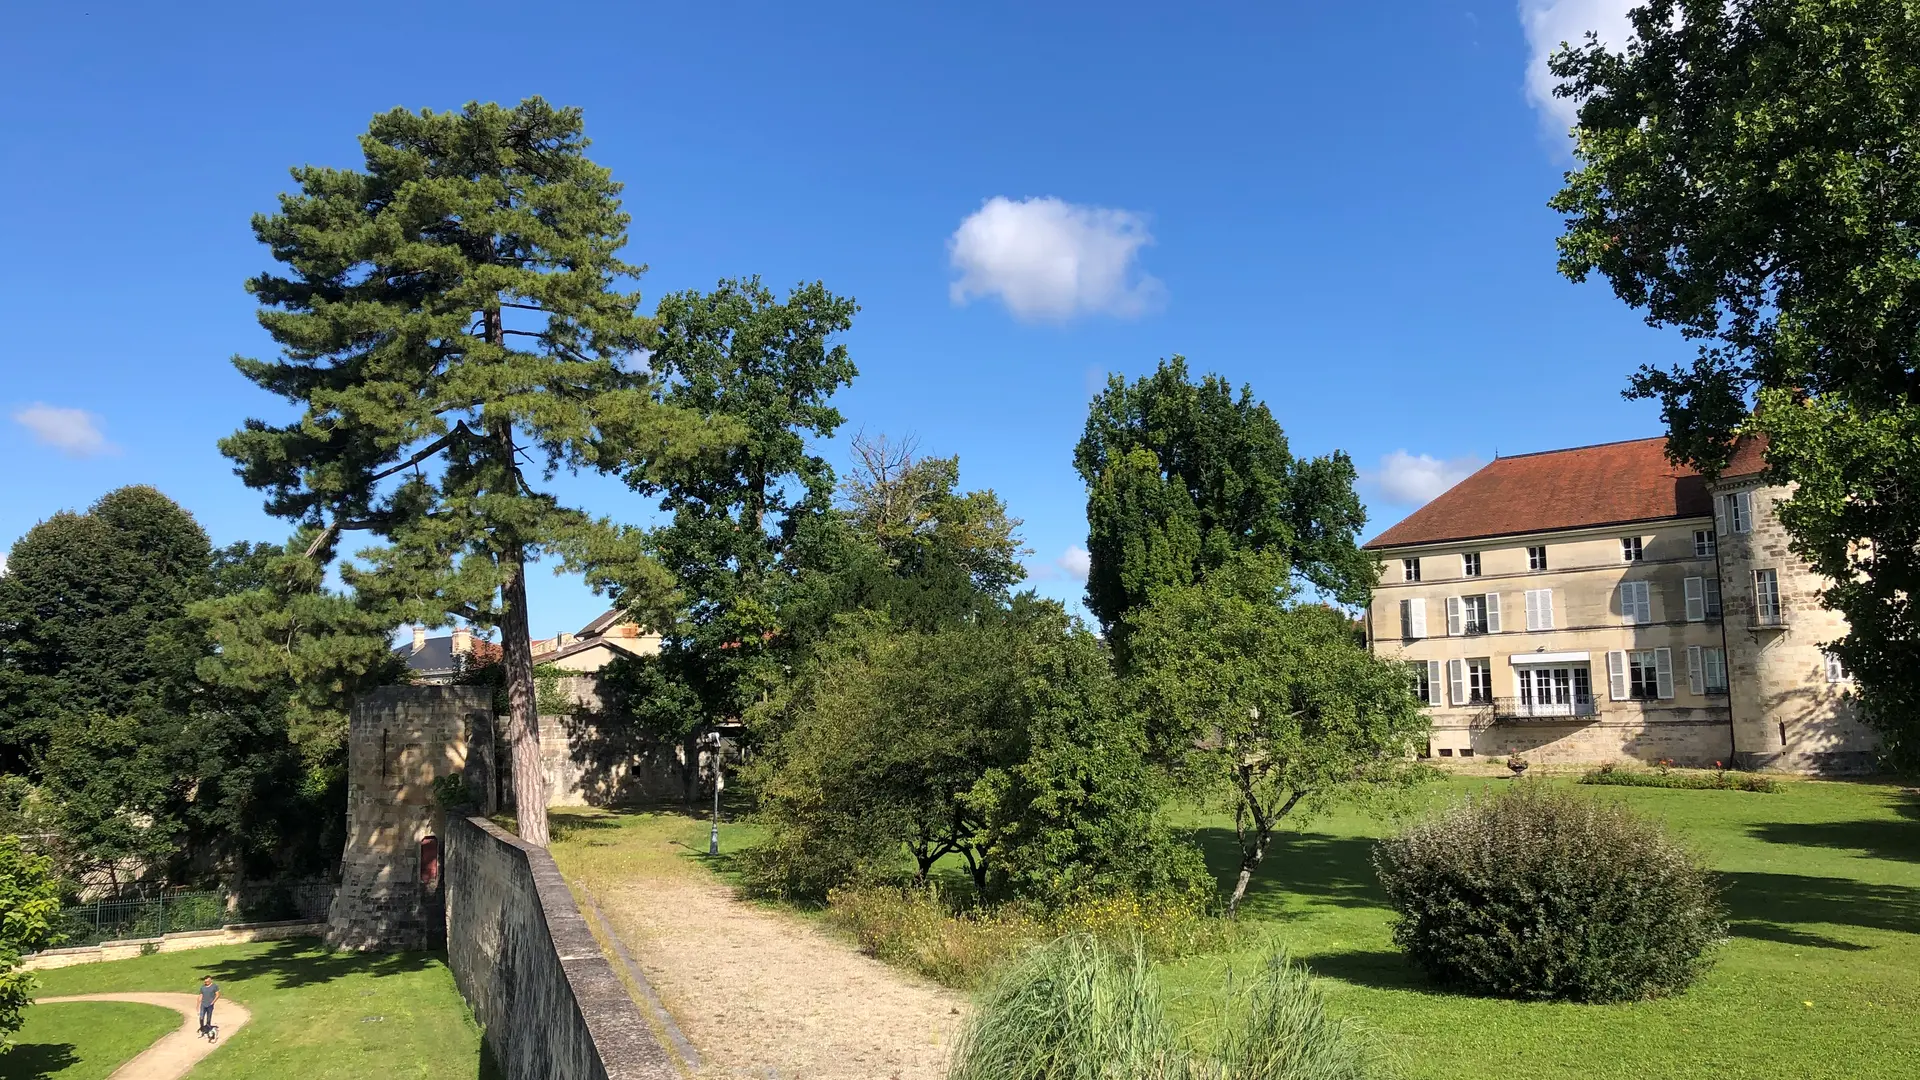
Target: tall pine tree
[452, 329]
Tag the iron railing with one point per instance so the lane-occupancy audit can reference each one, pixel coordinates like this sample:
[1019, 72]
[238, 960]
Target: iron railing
[166, 912]
[1521, 708]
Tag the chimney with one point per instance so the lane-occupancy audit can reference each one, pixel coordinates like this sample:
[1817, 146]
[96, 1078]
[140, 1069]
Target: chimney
[419, 638]
[462, 640]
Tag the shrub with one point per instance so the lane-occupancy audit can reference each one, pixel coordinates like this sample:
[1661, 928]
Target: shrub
[1718, 780]
[1540, 893]
[1077, 1009]
[915, 927]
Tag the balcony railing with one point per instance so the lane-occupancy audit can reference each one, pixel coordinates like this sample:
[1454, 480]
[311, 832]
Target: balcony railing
[1513, 708]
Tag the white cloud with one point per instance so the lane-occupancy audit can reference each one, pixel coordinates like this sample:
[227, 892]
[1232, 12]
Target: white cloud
[1416, 479]
[1547, 23]
[1070, 565]
[1049, 260]
[73, 432]
[1075, 562]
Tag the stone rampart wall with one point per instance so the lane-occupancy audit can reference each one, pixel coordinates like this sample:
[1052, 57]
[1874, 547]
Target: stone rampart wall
[549, 1003]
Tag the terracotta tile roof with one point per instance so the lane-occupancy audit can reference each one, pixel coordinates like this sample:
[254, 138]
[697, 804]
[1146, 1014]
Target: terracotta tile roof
[1560, 489]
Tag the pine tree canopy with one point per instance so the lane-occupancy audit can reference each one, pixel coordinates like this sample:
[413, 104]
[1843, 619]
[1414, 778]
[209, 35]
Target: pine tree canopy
[450, 320]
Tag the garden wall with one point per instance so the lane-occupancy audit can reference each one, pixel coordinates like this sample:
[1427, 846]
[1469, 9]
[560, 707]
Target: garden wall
[547, 1000]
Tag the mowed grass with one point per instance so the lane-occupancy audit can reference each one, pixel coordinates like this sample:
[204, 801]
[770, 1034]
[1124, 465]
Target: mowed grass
[83, 1040]
[1821, 976]
[317, 1015]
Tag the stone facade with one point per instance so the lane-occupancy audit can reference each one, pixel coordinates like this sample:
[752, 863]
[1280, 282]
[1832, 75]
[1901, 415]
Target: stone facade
[1628, 641]
[1790, 707]
[547, 1001]
[400, 740]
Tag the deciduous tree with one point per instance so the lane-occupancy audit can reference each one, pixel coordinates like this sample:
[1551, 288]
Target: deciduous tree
[1277, 703]
[1180, 477]
[1747, 173]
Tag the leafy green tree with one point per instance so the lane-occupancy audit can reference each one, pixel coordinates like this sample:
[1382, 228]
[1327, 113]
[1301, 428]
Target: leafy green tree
[1275, 702]
[1746, 174]
[29, 901]
[93, 617]
[764, 370]
[451, 329]
[1180, 477]
[998, 740]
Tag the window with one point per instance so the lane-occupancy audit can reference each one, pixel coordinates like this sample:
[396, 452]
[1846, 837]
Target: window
[1475, 608]
[1480, 681]
[1426, 680]
[1537, 558]
[1413, 619]
[1630, 550]
[1636, 602]
[1706, 670]
[1837, 670]
[1766, 598]
[1470, 682]
[1703, 543]
[1736, 512]
[1478, 614]
[1539, 609]
[1410, 569]
[1640, 675]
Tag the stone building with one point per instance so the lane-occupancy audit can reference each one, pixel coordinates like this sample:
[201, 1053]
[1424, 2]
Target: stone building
[1600, 604]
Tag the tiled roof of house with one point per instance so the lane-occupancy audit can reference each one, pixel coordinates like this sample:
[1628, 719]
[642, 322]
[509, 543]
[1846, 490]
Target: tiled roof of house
[1586, 486]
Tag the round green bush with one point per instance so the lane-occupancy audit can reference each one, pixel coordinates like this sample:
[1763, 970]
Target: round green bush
[1544, 894]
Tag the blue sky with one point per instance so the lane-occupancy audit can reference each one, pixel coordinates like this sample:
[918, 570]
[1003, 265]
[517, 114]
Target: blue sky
[1342, 205]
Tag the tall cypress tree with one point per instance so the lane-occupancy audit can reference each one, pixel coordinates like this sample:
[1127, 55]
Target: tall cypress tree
[452, 329]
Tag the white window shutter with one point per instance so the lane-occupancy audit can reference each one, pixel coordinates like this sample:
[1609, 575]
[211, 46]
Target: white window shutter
[1457, 680]
[1696, 671]
[1493, 613]
[1663, 673]
[1456, 623]
[1696, 599]
[1433, 682]
[1417, 617]
[1617, 675]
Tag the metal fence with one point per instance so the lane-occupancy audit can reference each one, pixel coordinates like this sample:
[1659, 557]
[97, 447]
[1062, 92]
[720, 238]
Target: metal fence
[119, 918]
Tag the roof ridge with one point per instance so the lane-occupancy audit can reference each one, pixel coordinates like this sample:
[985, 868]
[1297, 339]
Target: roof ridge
[1588, 446]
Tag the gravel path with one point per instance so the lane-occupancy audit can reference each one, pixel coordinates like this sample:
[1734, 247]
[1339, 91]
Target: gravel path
[764, 994]
[172, 1054]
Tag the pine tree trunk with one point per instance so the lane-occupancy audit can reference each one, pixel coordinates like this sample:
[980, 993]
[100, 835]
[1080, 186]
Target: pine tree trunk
[523, 720]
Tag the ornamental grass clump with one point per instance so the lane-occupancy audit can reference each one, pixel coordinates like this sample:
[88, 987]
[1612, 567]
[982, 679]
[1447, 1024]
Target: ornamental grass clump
[1077, 1009]
[1540, 893]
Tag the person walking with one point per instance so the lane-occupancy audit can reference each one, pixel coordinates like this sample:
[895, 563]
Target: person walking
[209, 993]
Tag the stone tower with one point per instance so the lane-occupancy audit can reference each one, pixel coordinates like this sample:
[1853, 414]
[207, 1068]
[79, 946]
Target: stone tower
[1789, 703]
[401, 740]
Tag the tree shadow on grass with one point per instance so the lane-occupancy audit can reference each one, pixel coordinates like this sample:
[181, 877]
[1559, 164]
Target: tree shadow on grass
[1321, 868]
[297, 963]
[37, 1061]
[1877, 839]
[1759, 903]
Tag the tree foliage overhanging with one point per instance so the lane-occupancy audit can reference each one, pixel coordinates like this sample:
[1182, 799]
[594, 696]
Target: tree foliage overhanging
[1748, 173]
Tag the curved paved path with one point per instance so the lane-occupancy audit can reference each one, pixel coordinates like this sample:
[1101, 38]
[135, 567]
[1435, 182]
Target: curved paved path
[172, 1054]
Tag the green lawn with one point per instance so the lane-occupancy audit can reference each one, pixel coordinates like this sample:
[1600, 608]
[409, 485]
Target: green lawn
[317, 1015]
[1821, 977]
[83, 1040]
